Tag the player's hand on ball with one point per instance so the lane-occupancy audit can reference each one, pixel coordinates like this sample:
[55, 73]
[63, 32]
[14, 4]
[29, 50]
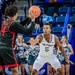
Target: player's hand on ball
[31, 15]
[35, 10]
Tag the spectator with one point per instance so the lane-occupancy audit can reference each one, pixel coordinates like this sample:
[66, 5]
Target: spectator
[51, 3]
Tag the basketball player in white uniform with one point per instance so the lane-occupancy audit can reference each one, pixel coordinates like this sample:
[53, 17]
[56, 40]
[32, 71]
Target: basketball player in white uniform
[47, 42]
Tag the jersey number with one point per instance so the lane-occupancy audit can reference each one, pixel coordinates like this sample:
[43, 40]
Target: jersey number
[46, 49]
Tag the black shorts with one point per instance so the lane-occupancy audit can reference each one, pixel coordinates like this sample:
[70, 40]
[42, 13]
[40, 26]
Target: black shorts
[63, 62]
[21, 60]
[7, 58]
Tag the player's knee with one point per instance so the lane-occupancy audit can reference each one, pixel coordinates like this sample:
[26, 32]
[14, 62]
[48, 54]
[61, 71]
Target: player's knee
[1, 69]
[14, 70]
[34, 72]
[23, 72]
[60, 71]
[54, 72]
[67, 73]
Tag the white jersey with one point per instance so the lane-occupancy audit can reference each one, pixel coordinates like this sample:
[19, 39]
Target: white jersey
[46, 48]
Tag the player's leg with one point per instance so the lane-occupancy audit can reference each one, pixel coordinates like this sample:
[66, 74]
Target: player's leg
[54, 71]
[14, 70]
[34, 72]
[38, 64]
[10, 61]
[1, 65]
[60, 71]
[55, 64]
[49, 69]
[2, 72]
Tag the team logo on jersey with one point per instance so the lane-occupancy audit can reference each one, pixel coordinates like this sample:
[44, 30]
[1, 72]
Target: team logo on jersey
[46, 44]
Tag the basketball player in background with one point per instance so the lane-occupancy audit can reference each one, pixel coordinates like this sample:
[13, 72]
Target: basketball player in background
[47, 42]
[7, 37]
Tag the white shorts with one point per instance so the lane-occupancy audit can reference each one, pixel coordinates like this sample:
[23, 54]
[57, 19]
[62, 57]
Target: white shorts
[40, 61]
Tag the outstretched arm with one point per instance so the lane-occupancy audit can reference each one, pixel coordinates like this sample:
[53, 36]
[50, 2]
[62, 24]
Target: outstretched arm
[19, 28]
[26, 21]
[30, 18]
[37, 40]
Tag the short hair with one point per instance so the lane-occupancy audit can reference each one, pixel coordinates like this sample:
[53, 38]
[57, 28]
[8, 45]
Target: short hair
[11, 10]
[49, 24]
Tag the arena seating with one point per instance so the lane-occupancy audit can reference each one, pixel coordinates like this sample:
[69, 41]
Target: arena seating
[72, 20]
[60, 21]
[73, 11]
[63, 10]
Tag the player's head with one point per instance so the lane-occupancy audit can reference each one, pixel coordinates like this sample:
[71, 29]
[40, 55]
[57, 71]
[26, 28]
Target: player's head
[47, 28]
[64, 39]
[11, 11]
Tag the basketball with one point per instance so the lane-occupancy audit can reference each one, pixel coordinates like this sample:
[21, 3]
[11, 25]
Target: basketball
[35, 10]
